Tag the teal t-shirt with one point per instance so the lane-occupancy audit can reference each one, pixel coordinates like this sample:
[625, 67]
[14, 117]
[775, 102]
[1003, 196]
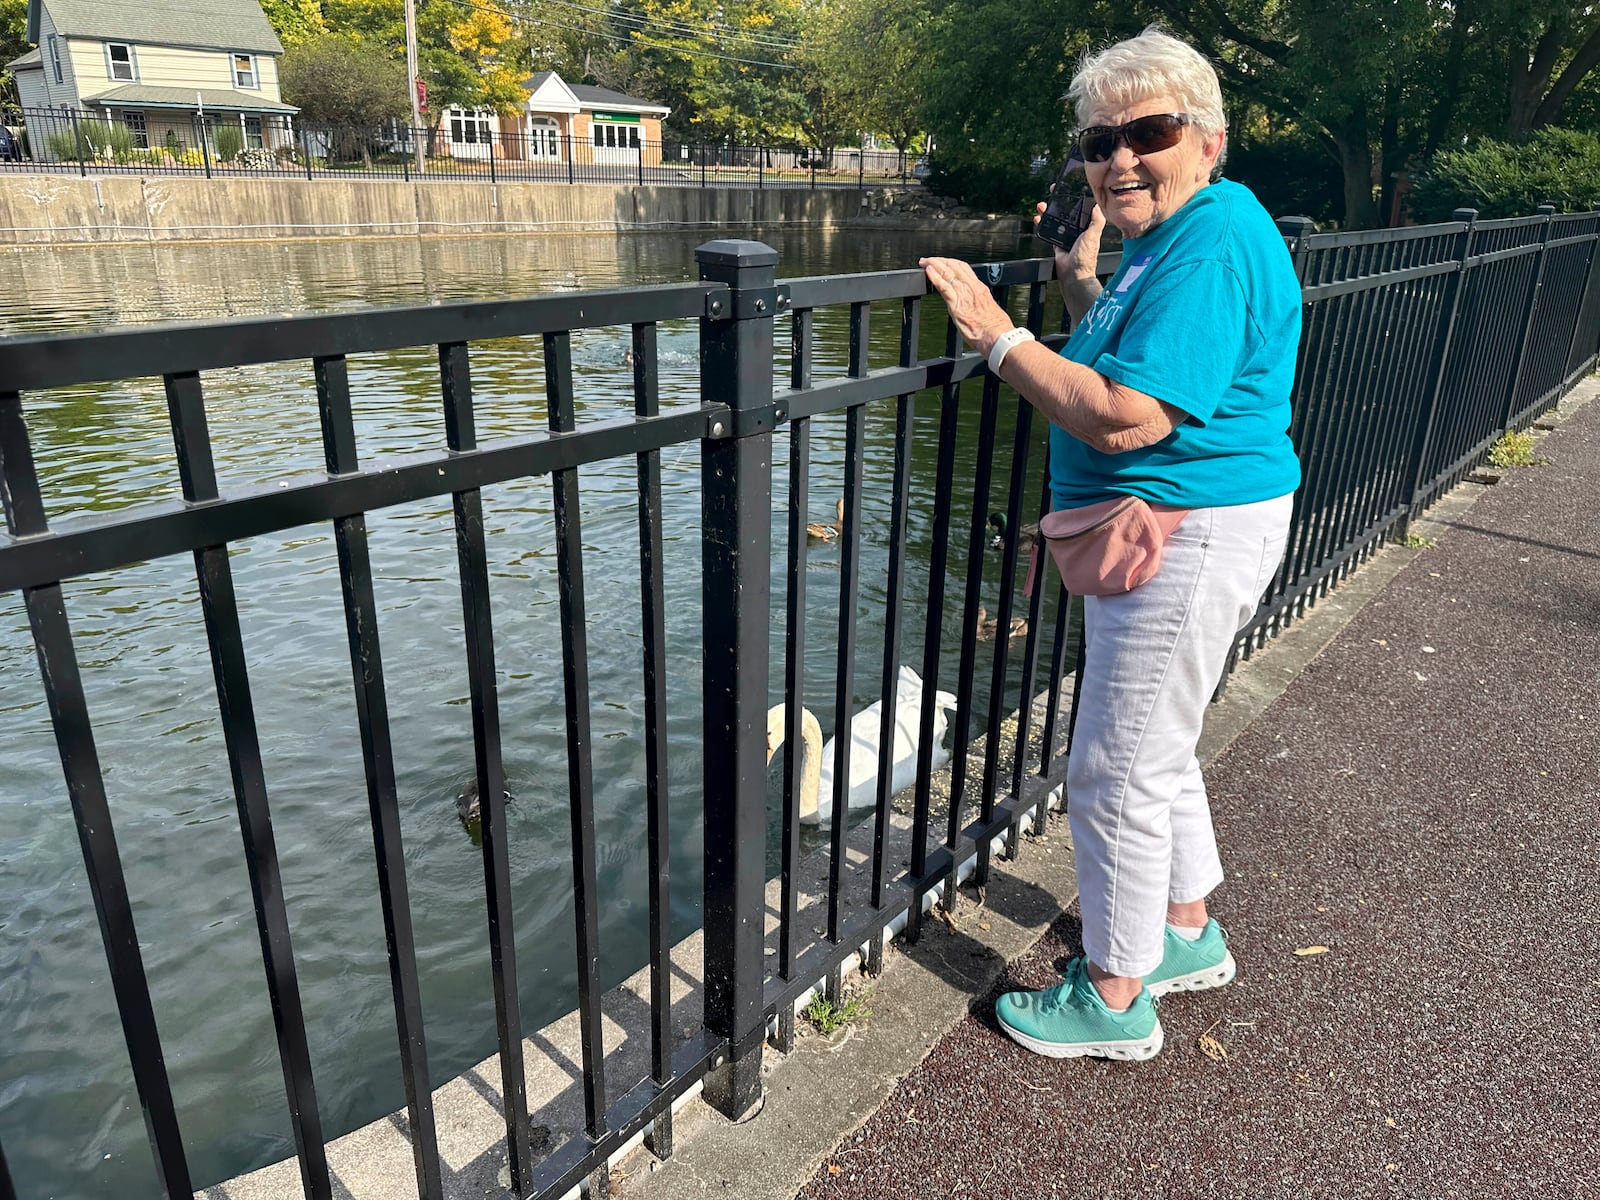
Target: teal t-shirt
[1204, 314]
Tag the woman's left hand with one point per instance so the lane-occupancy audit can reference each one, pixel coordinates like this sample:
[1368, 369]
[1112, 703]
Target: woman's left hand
[972, 308]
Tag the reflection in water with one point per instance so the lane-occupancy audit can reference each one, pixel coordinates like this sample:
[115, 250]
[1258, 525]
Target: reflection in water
[68, 1115]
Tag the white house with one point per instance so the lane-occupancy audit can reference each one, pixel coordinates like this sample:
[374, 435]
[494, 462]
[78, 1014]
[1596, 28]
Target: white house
[592, 124]
[160, 68]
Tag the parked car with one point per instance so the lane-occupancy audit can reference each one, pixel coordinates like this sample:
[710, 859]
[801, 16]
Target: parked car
[919, 169]
[10, 146]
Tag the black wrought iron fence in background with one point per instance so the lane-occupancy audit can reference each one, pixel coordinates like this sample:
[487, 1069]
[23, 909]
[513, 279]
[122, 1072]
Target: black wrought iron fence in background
[1420, 348]
[152, 142]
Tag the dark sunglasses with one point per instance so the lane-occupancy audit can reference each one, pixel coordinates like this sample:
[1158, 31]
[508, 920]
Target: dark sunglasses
[1143, 135]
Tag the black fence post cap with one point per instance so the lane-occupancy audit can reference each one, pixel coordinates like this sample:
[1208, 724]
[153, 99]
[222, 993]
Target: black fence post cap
[1546, 210]
[1464, 214]
[736, 252]
[1296, 226]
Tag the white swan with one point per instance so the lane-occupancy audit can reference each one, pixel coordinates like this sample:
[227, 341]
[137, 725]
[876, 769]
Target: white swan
[816, 760]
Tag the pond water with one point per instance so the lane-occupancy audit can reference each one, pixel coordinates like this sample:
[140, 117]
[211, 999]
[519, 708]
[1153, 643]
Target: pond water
[69, 1118]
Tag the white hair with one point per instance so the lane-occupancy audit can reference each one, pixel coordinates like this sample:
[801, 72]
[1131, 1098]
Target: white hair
[1153, 64]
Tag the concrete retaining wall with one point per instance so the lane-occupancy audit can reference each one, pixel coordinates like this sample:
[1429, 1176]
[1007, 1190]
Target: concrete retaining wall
[69, 210]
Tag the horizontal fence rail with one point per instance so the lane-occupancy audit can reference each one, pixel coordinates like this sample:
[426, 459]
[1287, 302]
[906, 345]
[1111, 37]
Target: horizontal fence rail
[269, 145]
[1420, 348]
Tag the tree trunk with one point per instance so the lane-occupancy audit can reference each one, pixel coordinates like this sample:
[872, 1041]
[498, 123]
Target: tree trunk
[1355, 158]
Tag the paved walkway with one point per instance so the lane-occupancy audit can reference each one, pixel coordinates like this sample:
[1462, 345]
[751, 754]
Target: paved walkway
[1422, 802]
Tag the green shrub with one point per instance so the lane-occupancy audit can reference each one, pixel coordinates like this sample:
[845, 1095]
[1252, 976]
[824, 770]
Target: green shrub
[1557, 166]
[227, 141]
[65, 146]
[985, 181]
[173, 148]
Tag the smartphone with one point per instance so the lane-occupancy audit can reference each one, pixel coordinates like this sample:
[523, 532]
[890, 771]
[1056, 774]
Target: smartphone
[1068, 207]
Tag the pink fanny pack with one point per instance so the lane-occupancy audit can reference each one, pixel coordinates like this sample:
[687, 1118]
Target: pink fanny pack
[1110, 547]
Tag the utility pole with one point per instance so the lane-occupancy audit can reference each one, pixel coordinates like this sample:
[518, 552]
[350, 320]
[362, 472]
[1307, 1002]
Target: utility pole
[413, 82]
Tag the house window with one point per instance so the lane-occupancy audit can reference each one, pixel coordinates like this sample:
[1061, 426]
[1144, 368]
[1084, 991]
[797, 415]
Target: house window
[55, 58]
[613, 135]
[136, 126]
[244, 71]
[469, 130]
[119, 61]
[252, 132]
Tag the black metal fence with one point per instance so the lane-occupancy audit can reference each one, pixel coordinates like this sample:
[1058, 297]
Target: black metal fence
[1420, 348]
[232, 145]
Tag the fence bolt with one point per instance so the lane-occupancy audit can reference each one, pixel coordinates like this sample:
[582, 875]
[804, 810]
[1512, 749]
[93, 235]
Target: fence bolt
[716, 308]
[716, 429]
[761, 306]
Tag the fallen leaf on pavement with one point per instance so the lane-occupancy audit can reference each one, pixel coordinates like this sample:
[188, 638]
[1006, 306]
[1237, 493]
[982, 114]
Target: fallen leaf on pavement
[1212, 1048]
[1308, 951]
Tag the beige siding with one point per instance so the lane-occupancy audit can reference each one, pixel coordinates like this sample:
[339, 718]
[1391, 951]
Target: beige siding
[170, 66]
[90, 70]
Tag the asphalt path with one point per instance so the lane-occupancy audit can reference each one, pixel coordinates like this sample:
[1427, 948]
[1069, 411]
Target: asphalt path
[1421, 802]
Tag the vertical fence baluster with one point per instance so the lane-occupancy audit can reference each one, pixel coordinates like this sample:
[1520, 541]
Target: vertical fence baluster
[377, 753]
[802, 326]
[91, 811]
[905, 417]
[933, 634]
[186, 408]
[580, 767]
[844, 685]
[794, 678]
[653, 607]
[736, 486]
[472, 555]
[982, 475]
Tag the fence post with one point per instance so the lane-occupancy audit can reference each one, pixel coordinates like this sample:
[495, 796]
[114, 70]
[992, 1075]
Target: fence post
[1530, 310]
[77, 140]
[305, 149]
[205, 147]
[494, 138]
[761, 167]
[736, 335]
[1429, 421]
[571, 144]
[861, 169]
[702, 164]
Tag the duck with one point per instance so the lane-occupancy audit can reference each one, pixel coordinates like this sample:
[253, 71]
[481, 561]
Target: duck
[816, 758]
[1027, 535]
[988, 630]
[468, 808]
[818, 531]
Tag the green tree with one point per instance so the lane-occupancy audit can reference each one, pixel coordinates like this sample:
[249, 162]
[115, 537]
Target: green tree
[724, 68]
[295, 21]
[14, 43]
[864, 68]
[995, 75]
[335, 81]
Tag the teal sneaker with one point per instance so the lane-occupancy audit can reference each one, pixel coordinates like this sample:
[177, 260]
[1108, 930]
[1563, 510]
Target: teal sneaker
[1192, 966]
[1071, 1020]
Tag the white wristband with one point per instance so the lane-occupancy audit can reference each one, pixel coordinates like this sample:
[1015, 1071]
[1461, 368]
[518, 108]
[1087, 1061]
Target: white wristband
[1003, 346]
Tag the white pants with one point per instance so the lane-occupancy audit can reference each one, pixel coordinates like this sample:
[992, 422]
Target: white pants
[1141, 825]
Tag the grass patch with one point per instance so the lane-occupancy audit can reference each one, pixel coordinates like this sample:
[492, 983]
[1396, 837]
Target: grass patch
[1414, 541]
[828, 1016]
[1514, 450]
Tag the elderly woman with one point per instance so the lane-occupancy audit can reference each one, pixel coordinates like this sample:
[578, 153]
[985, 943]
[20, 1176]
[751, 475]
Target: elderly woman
[1174, 388]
